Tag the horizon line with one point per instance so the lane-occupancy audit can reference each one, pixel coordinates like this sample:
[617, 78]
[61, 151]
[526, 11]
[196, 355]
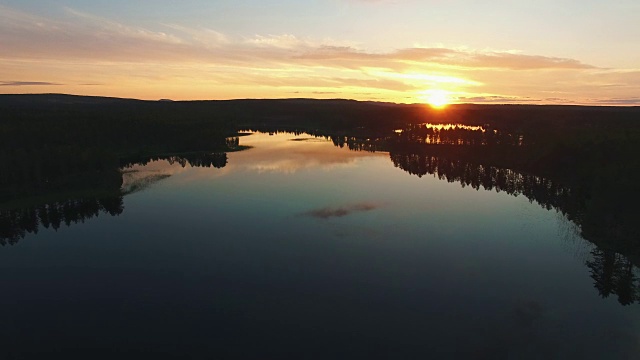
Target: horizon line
[332, 99]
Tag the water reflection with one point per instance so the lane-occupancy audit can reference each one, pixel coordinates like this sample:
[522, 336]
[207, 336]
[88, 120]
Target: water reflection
[311, 242]
[288, 152]
[340, 211]
[612, 271]
[485, 159]
[614, 274]
[15, 224]
[480, 157]
[207, 160]
[49, 197]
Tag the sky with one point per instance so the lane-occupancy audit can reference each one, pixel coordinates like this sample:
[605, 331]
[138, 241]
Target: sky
[405, 51]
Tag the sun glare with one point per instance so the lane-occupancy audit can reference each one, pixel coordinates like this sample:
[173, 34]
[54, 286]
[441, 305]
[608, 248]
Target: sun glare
[437, 98]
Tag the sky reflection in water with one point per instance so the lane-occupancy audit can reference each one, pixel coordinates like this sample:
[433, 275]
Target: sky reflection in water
[303, 248]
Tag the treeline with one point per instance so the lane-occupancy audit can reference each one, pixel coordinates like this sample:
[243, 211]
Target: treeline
[52, 140]
[15, 224]
[613, 262]
[590, 150]
[60, 156]
[460, 135]
[603, 178]
[614, 274]
[596, 186]
[85, 127]
[573, 142]
[26, 208]
[548, 194]
[524, 147]
[217, 160]
[606, 172]
[61, 135]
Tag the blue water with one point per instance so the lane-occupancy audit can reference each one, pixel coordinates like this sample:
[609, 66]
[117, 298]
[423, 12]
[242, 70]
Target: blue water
[302, 249]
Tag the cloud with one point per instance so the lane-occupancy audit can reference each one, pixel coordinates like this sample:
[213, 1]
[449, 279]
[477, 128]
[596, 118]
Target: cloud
[377, 1]
[128, 60]
[520, 61]
[618, 101]
[450, 57]
[329, 212]
[26, 83]
[91, 37]
[496, 99]
[111, 28]
[205, 36]
[286, 41]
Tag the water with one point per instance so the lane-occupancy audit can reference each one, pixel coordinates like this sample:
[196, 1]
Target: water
[298, 248]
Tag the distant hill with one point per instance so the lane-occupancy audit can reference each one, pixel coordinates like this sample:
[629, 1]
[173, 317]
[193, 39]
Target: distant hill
[18, 99]
[316, 113]
[34, 99]
[37, 99]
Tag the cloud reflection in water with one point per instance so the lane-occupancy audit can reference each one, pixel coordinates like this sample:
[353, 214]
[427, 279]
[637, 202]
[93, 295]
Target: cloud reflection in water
[329, 212]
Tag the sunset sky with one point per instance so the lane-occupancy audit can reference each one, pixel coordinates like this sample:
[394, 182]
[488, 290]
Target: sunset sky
[512, 51]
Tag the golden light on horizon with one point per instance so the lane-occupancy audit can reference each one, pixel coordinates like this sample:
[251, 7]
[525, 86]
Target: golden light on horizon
[437, 98]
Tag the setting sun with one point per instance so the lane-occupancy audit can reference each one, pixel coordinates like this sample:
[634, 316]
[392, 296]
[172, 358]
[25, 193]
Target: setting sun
[437, 98]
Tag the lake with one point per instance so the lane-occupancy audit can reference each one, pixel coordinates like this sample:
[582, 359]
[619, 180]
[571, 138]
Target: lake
[296, 247]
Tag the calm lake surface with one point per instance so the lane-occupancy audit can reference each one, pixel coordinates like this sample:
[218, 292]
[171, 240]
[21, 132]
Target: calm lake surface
[303, 249]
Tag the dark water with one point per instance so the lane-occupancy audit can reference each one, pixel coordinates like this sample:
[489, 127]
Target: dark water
[307, 250]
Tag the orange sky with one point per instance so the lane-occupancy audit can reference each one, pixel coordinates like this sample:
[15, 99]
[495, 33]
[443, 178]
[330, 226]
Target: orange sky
[113, 49]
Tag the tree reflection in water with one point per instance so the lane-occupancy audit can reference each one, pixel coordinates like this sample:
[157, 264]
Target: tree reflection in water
[61, 200]
[595, 193]
[611, 270]
[574, 176]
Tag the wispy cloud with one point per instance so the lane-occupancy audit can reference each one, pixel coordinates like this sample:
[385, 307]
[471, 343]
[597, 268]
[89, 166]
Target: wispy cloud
[112, 28]
[276, 65]
[93, 37]
[497, 99]
[205, 36]
[27, 83]
[618, 101]
[449, 57]
[341, 211]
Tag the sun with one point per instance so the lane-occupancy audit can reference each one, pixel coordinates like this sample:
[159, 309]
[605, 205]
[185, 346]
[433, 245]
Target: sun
[437, 98]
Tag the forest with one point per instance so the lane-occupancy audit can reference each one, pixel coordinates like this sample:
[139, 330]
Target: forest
[62, 156]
